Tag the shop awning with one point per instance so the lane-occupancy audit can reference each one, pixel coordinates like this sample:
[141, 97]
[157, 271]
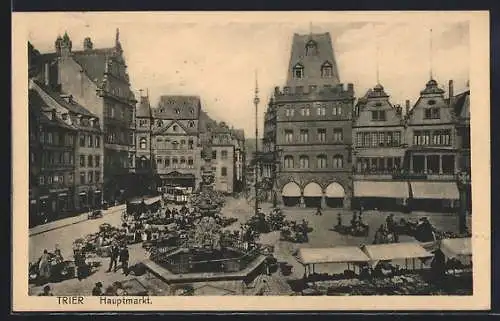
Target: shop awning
[97, 191]
[82, 193]
[393, 251]
[341, 254]
[435, 190]
[44, 197]
[153, 200]
[291, 190]
[381, 189]
[62, 194]
[32, 201]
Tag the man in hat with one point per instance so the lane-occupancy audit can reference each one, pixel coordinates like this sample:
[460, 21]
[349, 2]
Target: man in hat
[124, 257]
[113, 257]
[46, 291]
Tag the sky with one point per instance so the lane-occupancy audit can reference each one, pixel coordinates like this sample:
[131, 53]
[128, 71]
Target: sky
[215, 55]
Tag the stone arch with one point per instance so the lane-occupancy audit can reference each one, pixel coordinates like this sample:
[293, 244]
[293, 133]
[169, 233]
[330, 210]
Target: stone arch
[291, 189]
[291, 194]
[313, 189]
[312, 194]
[335, 194]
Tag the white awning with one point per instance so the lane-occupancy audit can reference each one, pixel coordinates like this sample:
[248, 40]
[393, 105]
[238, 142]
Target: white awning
[381, 189]
[32, 201]
[341, 254]
[435, 190]
[63, 194]
[44, 197]
[335, 190]
[97, 191]
[83, 193]
[291, 190]
[392, 251]
[457, 247]
[313, 190]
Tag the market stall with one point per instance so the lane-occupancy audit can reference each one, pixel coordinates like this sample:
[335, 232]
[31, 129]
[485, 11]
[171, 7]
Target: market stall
[384, 253]
[457, 250]
[351, 255]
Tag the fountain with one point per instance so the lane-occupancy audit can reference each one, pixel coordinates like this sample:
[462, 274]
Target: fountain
[209, 253]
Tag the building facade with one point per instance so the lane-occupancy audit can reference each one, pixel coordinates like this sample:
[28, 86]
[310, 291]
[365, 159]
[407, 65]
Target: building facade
[223, 158]
[379, 148]
[89, 150]
[432, 156]
[52, 142]
[313, 122]
[98, 80]
[176, 151]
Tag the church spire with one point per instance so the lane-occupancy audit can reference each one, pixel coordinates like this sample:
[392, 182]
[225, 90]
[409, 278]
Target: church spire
[118, 45]
[430, 55]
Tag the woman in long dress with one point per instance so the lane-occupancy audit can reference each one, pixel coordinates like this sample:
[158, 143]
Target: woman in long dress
[44, 266]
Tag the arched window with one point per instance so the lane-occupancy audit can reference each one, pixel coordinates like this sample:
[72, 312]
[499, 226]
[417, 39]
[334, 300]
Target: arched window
[326, 70]
[321, 161]
[175, 128]
[304, 161]
[183, 162]
[289, 161]
[175, 161]
[338, 161]
[143, 143]
[311, 48]
[298, 71]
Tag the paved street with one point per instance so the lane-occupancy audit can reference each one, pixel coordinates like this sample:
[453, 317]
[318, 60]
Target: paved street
[321, 236]
[65, 236]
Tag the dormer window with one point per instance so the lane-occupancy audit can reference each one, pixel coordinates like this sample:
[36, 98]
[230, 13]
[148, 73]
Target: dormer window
[177, 111]
[298, 71]
[191, 111]
[159, 123]
[311, 48]
[326, 70]
[191, 124]
[175, 128]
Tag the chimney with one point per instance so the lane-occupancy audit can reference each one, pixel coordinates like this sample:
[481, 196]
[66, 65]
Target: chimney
[276, 90]
[350, 87]
[47, 75]
[87, 44]
[450, 89]
[407, 107]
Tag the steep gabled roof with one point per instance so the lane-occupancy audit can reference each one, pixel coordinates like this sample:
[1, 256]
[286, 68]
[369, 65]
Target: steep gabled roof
[93, 62]
[37, 106]
[70, 106]
[461, 105]
[163, 129]
[312, 63]
[188, 107]
[144, 108]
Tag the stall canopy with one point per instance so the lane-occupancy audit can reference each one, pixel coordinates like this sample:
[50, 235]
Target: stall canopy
[460, 249]
[381, 189]
[342, 254]
[394, 251]
[291, 190]
[435, 190]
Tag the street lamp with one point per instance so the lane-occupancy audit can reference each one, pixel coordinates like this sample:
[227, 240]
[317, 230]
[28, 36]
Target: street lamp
[256, 102]
[463, 182]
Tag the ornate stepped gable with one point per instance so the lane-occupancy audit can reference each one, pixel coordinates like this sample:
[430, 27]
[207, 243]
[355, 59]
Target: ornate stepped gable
[376, 98]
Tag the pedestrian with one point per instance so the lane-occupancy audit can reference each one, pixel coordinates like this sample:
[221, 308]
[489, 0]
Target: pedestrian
[115, 251]
[318, 211]
[46, 291]
[124, 257]
[339, 219]
[97, 290]
[44, 266]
